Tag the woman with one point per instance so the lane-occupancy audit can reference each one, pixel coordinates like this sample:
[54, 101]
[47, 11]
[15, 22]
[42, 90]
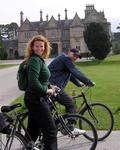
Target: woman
[40, 117]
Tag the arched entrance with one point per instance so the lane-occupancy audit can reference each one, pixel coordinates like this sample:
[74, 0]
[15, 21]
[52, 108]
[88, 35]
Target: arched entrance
[54, 51]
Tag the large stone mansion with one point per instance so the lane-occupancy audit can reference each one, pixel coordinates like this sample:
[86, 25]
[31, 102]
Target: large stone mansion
[62, 34]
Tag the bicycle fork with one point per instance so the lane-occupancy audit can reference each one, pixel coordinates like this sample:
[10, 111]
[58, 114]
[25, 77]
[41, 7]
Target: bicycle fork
[92, 114]
[89, 107]
[65, 127]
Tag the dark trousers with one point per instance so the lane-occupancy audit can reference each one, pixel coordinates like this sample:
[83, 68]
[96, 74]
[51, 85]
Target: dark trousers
[40, 118]
[64, 99]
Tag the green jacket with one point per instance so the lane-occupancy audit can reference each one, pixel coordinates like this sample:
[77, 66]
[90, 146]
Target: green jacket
[38, 75]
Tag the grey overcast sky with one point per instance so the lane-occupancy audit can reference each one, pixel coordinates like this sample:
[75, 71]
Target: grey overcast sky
[10, 9]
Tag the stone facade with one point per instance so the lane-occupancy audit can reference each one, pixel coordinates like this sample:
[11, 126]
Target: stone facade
[62, 34]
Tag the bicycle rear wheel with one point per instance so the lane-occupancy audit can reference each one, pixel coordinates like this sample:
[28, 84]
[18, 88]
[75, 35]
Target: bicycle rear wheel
[66, 142]
[18, 143]
[104, 119]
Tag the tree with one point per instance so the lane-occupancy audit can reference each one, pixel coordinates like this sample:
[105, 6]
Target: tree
[1, 47]
[118, 27]
[3, 53]
[9, 31]
[97, 40]
[1, 42]
[12, 29]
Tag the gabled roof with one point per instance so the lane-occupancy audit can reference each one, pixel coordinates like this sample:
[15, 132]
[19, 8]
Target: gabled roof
[52, 23]
[76, 21]
[27, 25]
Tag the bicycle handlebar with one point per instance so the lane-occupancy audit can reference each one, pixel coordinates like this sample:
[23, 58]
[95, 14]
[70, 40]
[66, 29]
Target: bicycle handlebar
[55, 93]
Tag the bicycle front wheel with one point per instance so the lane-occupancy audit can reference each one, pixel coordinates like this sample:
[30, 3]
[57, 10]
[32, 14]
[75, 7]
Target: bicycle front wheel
[18, 143]
[79, 141]
[101, 117]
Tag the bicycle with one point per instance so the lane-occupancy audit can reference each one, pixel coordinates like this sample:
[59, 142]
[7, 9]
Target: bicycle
[66, 139]
[10, 138]
[99, 114]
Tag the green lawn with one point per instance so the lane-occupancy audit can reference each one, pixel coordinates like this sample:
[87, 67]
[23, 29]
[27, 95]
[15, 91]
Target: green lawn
[7, 65]
[106, 75]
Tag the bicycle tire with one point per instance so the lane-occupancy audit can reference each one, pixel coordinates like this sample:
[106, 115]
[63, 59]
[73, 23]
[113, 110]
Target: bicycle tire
[65, 142]
[19, 142]
[74, 117]
[100, 111]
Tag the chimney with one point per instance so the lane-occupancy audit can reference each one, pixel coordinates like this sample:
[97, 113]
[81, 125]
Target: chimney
[59, 17]
[66, 14]
[47, 17]
[41, 19]
[21, 18]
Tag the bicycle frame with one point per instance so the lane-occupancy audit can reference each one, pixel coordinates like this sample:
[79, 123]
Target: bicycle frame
[61, 122]
[13, 128]
[58, 116]
[85, 104]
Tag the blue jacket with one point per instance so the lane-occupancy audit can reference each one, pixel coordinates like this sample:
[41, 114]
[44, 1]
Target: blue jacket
[62, 70]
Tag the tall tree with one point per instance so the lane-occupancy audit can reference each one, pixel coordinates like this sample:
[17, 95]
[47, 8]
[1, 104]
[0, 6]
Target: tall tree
[97, 40]
[118, 27]
[2, 52]
[0, 42]
[9, 31]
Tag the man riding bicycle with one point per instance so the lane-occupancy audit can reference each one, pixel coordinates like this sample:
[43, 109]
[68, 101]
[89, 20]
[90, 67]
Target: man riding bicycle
[62, 70]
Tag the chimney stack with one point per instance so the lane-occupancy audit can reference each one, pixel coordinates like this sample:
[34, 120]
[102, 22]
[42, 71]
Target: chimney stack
[47, 17]
[21, 18]
[41, 19]
[59, 17]
[66, 14]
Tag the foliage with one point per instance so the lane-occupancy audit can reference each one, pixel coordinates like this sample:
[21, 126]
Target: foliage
[116, 36]
[118, 27]
[3, 53]
[8, 31]
[97, 40]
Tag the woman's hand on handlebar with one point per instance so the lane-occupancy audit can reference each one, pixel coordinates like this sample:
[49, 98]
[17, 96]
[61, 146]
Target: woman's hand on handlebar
[50, 91]
[53, 89]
